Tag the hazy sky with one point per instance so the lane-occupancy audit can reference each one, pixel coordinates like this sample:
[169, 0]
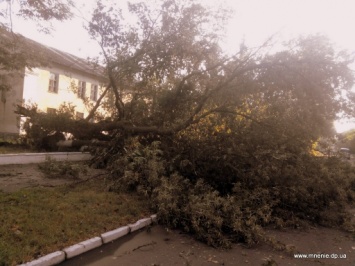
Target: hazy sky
[254, 21]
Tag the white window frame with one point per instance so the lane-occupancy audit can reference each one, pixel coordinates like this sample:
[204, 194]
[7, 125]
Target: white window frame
[81, 89]
[94, 92]
[53, 82]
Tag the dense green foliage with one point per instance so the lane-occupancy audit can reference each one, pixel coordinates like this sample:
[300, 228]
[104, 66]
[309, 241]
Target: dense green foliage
[225, 195]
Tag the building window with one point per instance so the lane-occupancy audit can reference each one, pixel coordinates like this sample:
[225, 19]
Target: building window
[51, 110]
[79, 115]
[94, 91]
[53, 83]
[81, 89]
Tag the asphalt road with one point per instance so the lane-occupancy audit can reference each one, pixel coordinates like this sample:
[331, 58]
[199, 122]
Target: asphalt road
[159, 247]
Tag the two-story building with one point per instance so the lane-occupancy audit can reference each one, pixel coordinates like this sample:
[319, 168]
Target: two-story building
[63, 78]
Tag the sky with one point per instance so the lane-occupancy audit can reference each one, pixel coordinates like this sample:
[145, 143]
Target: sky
[253, 21]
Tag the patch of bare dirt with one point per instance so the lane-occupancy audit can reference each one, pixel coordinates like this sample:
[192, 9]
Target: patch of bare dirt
[14, 177]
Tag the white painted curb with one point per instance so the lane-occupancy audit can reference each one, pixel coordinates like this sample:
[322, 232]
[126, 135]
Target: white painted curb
[48, 260]
[115, 234]
[145, 221]
[140, 224]
[82, 247]
[154, 218]
[27, 158]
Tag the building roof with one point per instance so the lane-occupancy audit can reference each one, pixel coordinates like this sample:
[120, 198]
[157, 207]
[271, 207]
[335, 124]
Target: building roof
[70, 61]
[46, 55]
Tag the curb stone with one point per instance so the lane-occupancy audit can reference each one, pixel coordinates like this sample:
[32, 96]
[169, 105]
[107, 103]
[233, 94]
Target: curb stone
[154, 218]
[140, 224]
[47, 260]
[115, 234]
[84, 246]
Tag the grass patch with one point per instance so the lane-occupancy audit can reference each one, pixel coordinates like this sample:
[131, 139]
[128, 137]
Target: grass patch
[14, 146]
[13, 149]
[35, 222]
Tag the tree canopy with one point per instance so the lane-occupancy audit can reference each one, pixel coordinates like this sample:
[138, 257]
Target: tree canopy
[166, 72]
[38, 10]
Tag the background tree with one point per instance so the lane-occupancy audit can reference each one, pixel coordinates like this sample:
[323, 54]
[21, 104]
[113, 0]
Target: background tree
[15, 53]
[42, 11]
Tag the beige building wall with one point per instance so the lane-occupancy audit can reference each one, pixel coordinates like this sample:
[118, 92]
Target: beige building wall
[34, 89]
[9, 121]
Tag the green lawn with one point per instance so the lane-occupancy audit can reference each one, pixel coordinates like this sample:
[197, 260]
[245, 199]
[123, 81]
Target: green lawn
[35, 222]
[9, 149]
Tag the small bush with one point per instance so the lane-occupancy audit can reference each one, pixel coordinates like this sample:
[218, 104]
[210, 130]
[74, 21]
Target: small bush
[64, 169]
